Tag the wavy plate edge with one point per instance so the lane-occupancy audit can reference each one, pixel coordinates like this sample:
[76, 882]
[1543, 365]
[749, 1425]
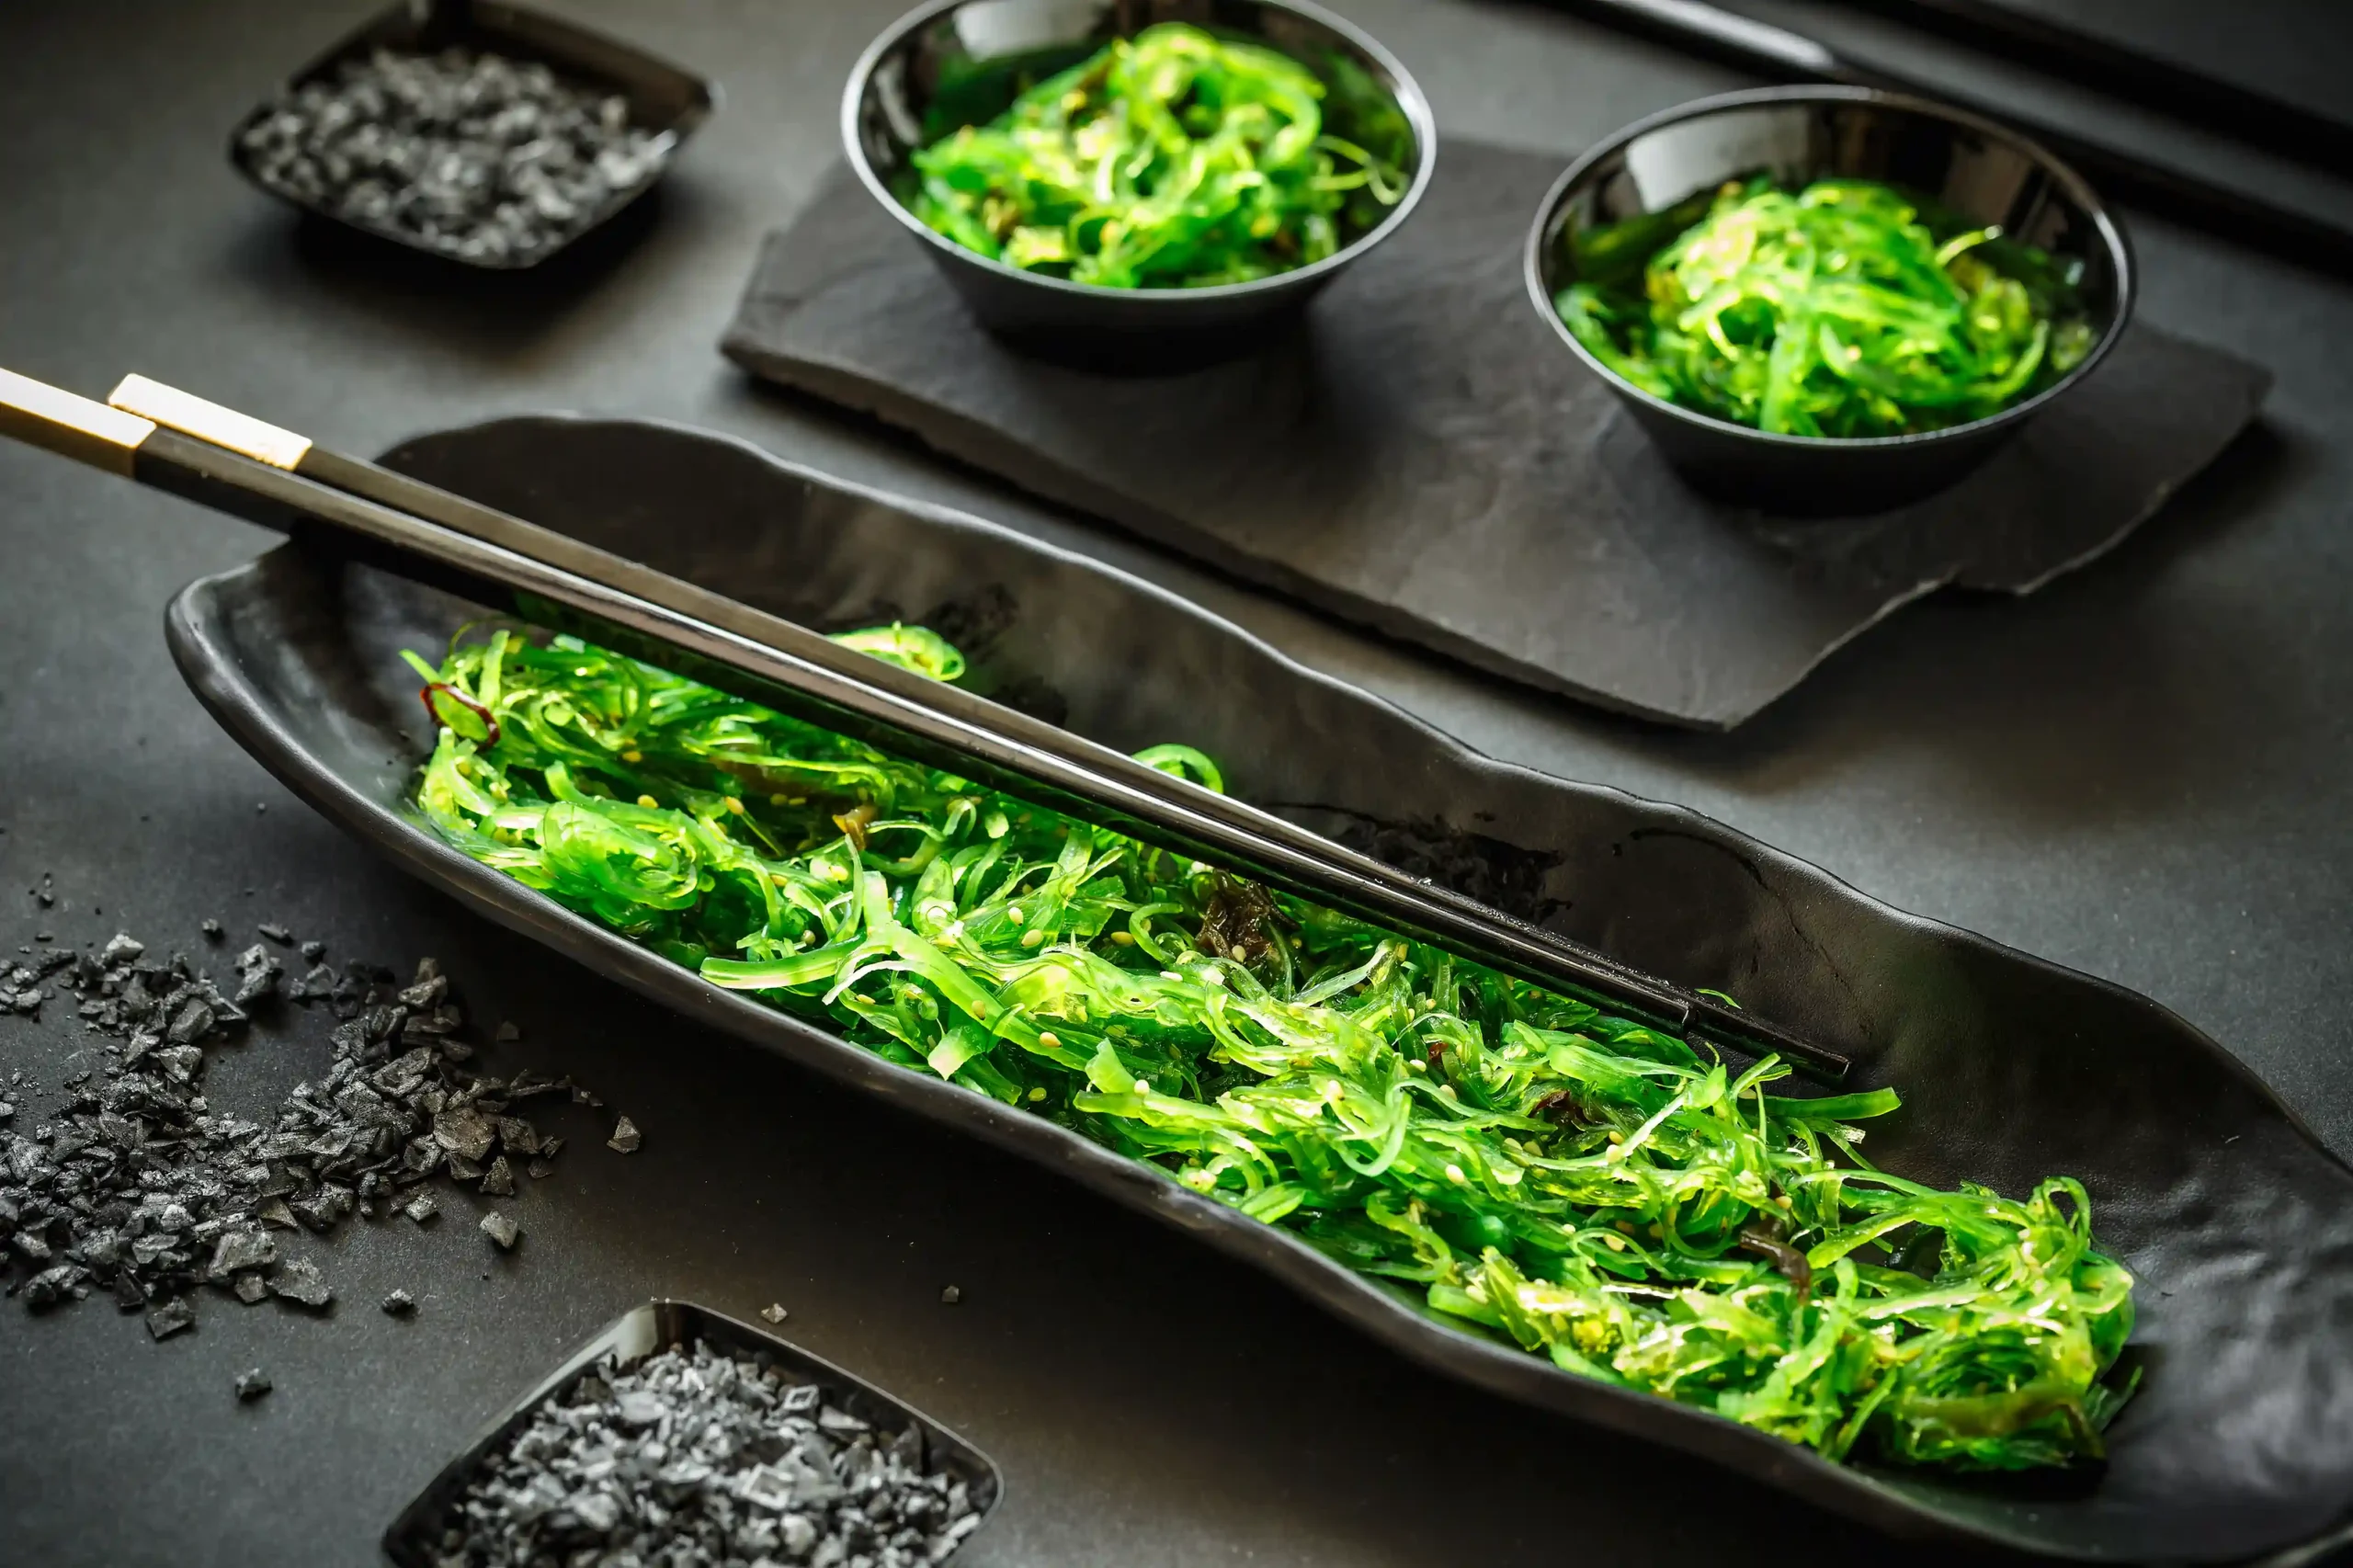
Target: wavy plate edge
[1880, 1499]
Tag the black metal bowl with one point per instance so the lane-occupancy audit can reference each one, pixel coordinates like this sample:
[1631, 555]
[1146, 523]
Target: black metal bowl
[668, 102]
[1664, 169]
[954, 63]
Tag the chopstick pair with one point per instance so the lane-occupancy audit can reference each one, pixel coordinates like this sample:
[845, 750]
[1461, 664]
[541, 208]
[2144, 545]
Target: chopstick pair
[168, 439]
[2232, 208]
[2041, 38]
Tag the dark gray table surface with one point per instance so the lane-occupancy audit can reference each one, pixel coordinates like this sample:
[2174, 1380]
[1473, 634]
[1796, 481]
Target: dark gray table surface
[2144, 772]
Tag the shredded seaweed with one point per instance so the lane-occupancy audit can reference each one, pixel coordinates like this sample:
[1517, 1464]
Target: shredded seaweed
[1835, 311]
[1529, 1167]
[1173, 159]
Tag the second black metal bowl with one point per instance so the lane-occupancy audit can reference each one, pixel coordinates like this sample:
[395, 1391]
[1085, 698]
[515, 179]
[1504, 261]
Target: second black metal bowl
[1664, 169]
[955, 63]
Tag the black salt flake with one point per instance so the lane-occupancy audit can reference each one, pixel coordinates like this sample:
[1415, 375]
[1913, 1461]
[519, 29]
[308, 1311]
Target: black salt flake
[300, 1281]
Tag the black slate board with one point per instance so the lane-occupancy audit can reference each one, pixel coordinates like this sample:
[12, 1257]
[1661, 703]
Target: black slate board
[1425, 459]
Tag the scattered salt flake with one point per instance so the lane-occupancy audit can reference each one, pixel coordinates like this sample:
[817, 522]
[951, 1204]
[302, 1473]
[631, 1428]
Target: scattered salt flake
[626, 1138]
[499, 1228]
[300, 1281]
[253, 1384]
[241, 1249]
[774, 1311]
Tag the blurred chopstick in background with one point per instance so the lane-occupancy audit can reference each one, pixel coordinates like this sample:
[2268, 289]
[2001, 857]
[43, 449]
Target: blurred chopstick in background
[2240, 191]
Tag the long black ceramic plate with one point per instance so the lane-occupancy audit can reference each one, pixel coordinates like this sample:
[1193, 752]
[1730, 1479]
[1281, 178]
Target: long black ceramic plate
[2240, 1227]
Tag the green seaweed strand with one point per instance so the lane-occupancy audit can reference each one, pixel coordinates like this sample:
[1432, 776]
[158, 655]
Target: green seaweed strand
[1831, 312]
[1527, 1167]
[1175, 158]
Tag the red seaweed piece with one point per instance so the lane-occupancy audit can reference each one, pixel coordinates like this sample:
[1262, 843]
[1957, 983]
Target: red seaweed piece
[489, 720]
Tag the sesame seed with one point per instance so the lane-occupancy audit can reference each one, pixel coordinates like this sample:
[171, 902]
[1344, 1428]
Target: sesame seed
[1050, 1040]
[735, 804]
[648, 801]
[632, 755]
[1033, 938]
[1036, 1093]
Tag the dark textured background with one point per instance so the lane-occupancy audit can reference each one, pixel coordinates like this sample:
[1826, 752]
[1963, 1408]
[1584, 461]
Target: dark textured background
[2143, 771]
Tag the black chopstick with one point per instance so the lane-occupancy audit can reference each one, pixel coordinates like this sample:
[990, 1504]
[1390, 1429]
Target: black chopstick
[1782, 54]
[2246, 114]
[174, 442]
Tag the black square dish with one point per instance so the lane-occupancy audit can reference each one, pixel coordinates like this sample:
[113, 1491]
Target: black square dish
[664, 103]
[412, 1540]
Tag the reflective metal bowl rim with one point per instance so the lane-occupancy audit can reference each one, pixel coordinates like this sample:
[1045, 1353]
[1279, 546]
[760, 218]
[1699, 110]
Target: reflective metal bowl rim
[1405, 90]
[2078, 189]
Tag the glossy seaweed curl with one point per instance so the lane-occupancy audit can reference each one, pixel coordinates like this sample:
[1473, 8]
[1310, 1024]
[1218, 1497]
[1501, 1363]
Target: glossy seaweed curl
[1175, 159]
[1835, 311]
[1526, 1166]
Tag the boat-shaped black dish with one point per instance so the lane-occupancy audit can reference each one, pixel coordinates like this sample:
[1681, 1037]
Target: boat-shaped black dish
[2237, 1222]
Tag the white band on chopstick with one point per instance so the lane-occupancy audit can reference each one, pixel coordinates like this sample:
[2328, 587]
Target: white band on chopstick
[192, 416]
[73, 427]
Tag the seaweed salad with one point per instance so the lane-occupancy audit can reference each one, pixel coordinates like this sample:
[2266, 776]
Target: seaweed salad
[1173, 159]
[1525, 1166]
[1834, 310]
